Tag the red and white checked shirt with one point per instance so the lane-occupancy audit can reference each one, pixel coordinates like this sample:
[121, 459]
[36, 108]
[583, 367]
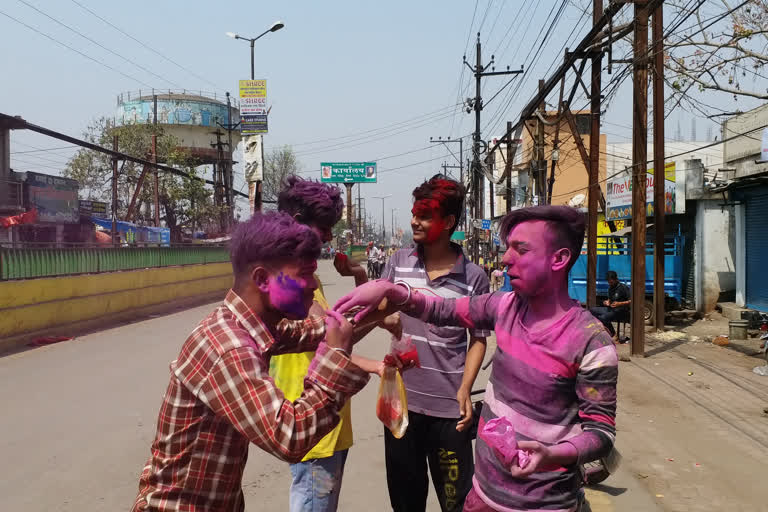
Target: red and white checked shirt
[220, 397]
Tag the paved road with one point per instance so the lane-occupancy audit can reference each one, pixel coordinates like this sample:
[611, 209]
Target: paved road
[78, 419]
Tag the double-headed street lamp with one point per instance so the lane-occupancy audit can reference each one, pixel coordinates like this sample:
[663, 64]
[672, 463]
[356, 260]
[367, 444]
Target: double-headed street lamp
[274, 28]
[254, 186]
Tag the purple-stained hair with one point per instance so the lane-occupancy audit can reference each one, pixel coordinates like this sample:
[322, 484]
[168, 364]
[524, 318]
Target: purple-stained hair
[311, 202]
[566, 224]
[272, 238]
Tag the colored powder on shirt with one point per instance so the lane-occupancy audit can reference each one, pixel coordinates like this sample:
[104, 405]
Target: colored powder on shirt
[287, 295]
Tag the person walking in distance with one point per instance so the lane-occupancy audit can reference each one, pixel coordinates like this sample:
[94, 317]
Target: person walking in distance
[438, 436]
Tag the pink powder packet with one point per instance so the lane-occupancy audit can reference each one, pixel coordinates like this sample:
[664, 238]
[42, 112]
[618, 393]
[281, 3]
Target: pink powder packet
[499, 434]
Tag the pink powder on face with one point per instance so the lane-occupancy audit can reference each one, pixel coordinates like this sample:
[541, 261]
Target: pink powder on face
[430, 208]
[287, 295]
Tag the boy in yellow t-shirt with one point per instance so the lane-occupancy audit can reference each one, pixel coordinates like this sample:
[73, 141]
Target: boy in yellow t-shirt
[317, 478]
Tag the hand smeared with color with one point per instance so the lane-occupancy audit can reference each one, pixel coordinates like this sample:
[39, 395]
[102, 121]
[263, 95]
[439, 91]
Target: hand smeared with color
[499, 435]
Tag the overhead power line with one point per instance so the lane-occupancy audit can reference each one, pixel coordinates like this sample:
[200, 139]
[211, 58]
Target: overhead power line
[148, 47]
[438, 112]
[97, 61]
[87, 38]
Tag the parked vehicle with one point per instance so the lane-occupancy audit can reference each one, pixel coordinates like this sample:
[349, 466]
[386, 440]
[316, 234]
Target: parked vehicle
[614, 252]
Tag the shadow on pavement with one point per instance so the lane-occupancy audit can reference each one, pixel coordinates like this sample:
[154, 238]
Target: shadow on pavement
[608, 489]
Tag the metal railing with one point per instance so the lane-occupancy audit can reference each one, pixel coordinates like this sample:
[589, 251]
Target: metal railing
[31, 262]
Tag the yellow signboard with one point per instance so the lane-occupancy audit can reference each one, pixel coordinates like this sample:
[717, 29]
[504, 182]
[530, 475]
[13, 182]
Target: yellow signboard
[253, 88]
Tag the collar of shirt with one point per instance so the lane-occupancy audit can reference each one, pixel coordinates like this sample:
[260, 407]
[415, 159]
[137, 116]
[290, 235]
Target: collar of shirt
[250, 321]
[459, 268]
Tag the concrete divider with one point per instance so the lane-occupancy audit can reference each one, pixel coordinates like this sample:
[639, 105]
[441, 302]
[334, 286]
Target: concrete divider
[35, 306]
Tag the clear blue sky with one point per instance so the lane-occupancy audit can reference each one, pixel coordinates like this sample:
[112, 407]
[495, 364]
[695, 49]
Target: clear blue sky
[339, 70]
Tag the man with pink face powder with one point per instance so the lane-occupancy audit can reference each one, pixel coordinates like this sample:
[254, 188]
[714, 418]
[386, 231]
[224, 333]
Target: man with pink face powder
[220, 397]
[554, 372]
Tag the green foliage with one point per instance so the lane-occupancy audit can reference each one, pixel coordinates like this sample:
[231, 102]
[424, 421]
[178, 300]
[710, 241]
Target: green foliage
[185, 202]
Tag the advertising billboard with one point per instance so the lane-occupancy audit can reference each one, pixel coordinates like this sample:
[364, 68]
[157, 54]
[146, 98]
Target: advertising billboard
[54, 198]
[618, 198]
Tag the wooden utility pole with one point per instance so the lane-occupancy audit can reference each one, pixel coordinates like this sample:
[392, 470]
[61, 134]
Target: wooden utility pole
[508, 170]
[639, 175]
[556, 143]
[114, 192]
[157, 182]
[350, 222]
[594, 166]
[541, 159]
[359, 214]
[658, 166]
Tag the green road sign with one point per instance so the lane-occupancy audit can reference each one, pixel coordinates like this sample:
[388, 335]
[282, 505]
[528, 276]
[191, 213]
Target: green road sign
[348, 172]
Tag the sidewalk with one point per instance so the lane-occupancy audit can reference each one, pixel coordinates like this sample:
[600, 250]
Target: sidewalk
[691, 425]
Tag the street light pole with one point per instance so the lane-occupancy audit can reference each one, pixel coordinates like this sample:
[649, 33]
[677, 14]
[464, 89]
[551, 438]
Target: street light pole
[383, 225]
[257, 185]
[393, 221]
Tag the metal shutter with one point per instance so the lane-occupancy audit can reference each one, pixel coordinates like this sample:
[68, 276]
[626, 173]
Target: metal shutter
[756, 231]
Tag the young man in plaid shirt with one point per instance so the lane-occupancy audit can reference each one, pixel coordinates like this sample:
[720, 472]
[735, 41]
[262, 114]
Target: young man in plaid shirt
[220, 397]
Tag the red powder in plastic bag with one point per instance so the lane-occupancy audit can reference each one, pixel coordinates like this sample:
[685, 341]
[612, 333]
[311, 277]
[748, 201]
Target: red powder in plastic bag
[405, 350]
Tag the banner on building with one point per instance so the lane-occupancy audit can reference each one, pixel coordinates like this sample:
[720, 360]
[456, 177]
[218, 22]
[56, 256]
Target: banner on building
[618, 200]
[54, 197]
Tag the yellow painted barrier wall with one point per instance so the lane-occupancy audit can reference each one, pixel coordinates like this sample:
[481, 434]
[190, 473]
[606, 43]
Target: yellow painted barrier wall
[36, 304]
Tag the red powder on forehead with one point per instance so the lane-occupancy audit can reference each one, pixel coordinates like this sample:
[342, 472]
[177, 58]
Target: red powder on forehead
[426, 208]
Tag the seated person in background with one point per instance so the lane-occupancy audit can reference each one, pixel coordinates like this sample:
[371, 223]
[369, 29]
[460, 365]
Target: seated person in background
[616, 307]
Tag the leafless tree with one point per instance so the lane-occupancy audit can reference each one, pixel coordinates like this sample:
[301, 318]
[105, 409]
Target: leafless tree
[279, 163]
[722, 47]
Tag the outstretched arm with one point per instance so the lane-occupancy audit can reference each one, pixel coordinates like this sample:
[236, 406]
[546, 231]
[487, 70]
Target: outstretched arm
[472, 312]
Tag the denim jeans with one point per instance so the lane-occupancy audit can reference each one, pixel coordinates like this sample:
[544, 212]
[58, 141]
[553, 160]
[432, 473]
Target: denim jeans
[317, 483]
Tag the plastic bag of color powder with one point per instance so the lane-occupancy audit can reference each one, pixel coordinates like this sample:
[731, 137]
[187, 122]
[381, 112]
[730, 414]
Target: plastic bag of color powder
[405, 351]
[499, 434]
[392, 402]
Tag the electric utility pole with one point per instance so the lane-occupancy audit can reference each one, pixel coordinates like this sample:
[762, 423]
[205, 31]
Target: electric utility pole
[639, 175]
[476, 104]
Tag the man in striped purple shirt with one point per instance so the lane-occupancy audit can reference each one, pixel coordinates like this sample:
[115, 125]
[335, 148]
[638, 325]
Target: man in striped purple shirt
[554, 372]
[438, 392]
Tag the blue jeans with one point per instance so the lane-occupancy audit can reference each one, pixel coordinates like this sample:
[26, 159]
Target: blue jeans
[317, 483]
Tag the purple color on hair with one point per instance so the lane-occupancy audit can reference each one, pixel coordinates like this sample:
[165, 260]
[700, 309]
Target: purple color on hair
[567, 225]
[311, 202]
[272, 238]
